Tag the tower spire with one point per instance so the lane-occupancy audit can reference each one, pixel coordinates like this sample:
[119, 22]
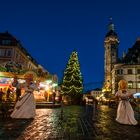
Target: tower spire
[111, 25]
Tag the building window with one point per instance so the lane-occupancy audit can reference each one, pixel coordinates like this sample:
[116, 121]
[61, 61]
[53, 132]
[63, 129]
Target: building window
[138, 85]
[16, 55]
[130, 84]
[6, 42]
[113, 54]
[29, 66]
[138, 71]
[2, 52]
[9, 52]
[120, 71]
[129, 71]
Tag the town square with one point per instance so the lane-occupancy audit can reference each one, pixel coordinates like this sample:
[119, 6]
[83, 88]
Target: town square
[69, 70]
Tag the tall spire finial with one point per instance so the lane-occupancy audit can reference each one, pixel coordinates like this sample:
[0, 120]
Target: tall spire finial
[110, 18]
[111, 25]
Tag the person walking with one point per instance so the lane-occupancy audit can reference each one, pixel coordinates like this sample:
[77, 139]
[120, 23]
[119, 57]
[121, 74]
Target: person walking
[1, 94]
[8, 94]
[16, 84]
[53, 97]
[125, 113]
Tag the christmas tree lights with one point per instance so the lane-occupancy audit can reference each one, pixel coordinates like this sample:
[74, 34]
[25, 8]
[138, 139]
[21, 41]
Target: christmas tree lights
[72, 84]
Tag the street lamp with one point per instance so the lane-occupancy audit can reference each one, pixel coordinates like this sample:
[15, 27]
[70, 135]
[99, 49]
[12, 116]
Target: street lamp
[48, 81]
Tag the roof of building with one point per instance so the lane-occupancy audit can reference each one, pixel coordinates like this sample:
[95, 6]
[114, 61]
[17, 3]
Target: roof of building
[111, 33]
[133, 54]
[6, 39]
[97, 89]
[111, 29]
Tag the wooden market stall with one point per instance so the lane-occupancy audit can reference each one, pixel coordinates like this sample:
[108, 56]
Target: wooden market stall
[6, 79]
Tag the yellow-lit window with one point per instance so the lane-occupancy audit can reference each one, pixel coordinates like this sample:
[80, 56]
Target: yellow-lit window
[138, 85]
[130, 84]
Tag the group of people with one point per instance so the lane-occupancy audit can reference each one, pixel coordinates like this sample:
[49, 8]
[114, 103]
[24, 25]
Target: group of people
[8, 92]
[2, 93]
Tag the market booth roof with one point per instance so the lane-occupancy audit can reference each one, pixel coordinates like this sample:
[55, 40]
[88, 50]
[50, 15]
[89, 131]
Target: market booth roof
[22, 76]
[7, 74]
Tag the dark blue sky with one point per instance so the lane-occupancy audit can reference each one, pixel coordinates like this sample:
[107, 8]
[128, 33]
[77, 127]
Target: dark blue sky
[51, 29]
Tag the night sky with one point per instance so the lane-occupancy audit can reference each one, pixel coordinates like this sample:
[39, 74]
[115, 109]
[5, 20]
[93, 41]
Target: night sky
[51, 29]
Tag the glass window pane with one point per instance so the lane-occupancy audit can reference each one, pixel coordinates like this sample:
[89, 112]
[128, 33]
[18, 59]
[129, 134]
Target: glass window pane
[138, 85]
[129, 71]
[2, 52]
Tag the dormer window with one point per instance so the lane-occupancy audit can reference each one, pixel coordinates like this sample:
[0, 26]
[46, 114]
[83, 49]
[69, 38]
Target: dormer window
[6, 42]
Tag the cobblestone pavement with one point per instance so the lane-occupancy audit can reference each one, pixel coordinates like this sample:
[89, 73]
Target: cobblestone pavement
[75, 123]
[108, 129]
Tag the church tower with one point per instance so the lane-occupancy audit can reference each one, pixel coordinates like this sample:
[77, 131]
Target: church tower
[111, 53]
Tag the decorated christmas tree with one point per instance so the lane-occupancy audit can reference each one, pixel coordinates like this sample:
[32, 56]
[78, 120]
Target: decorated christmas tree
[72, 84]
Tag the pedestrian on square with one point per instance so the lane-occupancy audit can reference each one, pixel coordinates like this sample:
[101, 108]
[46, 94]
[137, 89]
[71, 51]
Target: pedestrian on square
[125, 113]
[53, 97]
[18, 88]
[25, 106]
[1, 94]
[8, 94]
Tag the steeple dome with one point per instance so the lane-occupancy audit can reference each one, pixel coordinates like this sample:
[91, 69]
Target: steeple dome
[111, 29]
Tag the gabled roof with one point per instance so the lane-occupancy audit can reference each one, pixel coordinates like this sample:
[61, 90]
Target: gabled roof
[133, 55]
[111, 29]
[7, 36]
[6, 39]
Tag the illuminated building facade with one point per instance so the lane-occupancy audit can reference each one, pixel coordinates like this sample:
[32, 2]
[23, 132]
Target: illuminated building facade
[13, 54]
[11, 50]
[127, 67]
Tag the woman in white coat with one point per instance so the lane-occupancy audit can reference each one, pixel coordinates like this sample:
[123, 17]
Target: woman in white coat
[125, 113]
[25, 106]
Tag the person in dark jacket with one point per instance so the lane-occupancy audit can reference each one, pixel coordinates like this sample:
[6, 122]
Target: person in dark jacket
[18, 88]
[1, 94]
